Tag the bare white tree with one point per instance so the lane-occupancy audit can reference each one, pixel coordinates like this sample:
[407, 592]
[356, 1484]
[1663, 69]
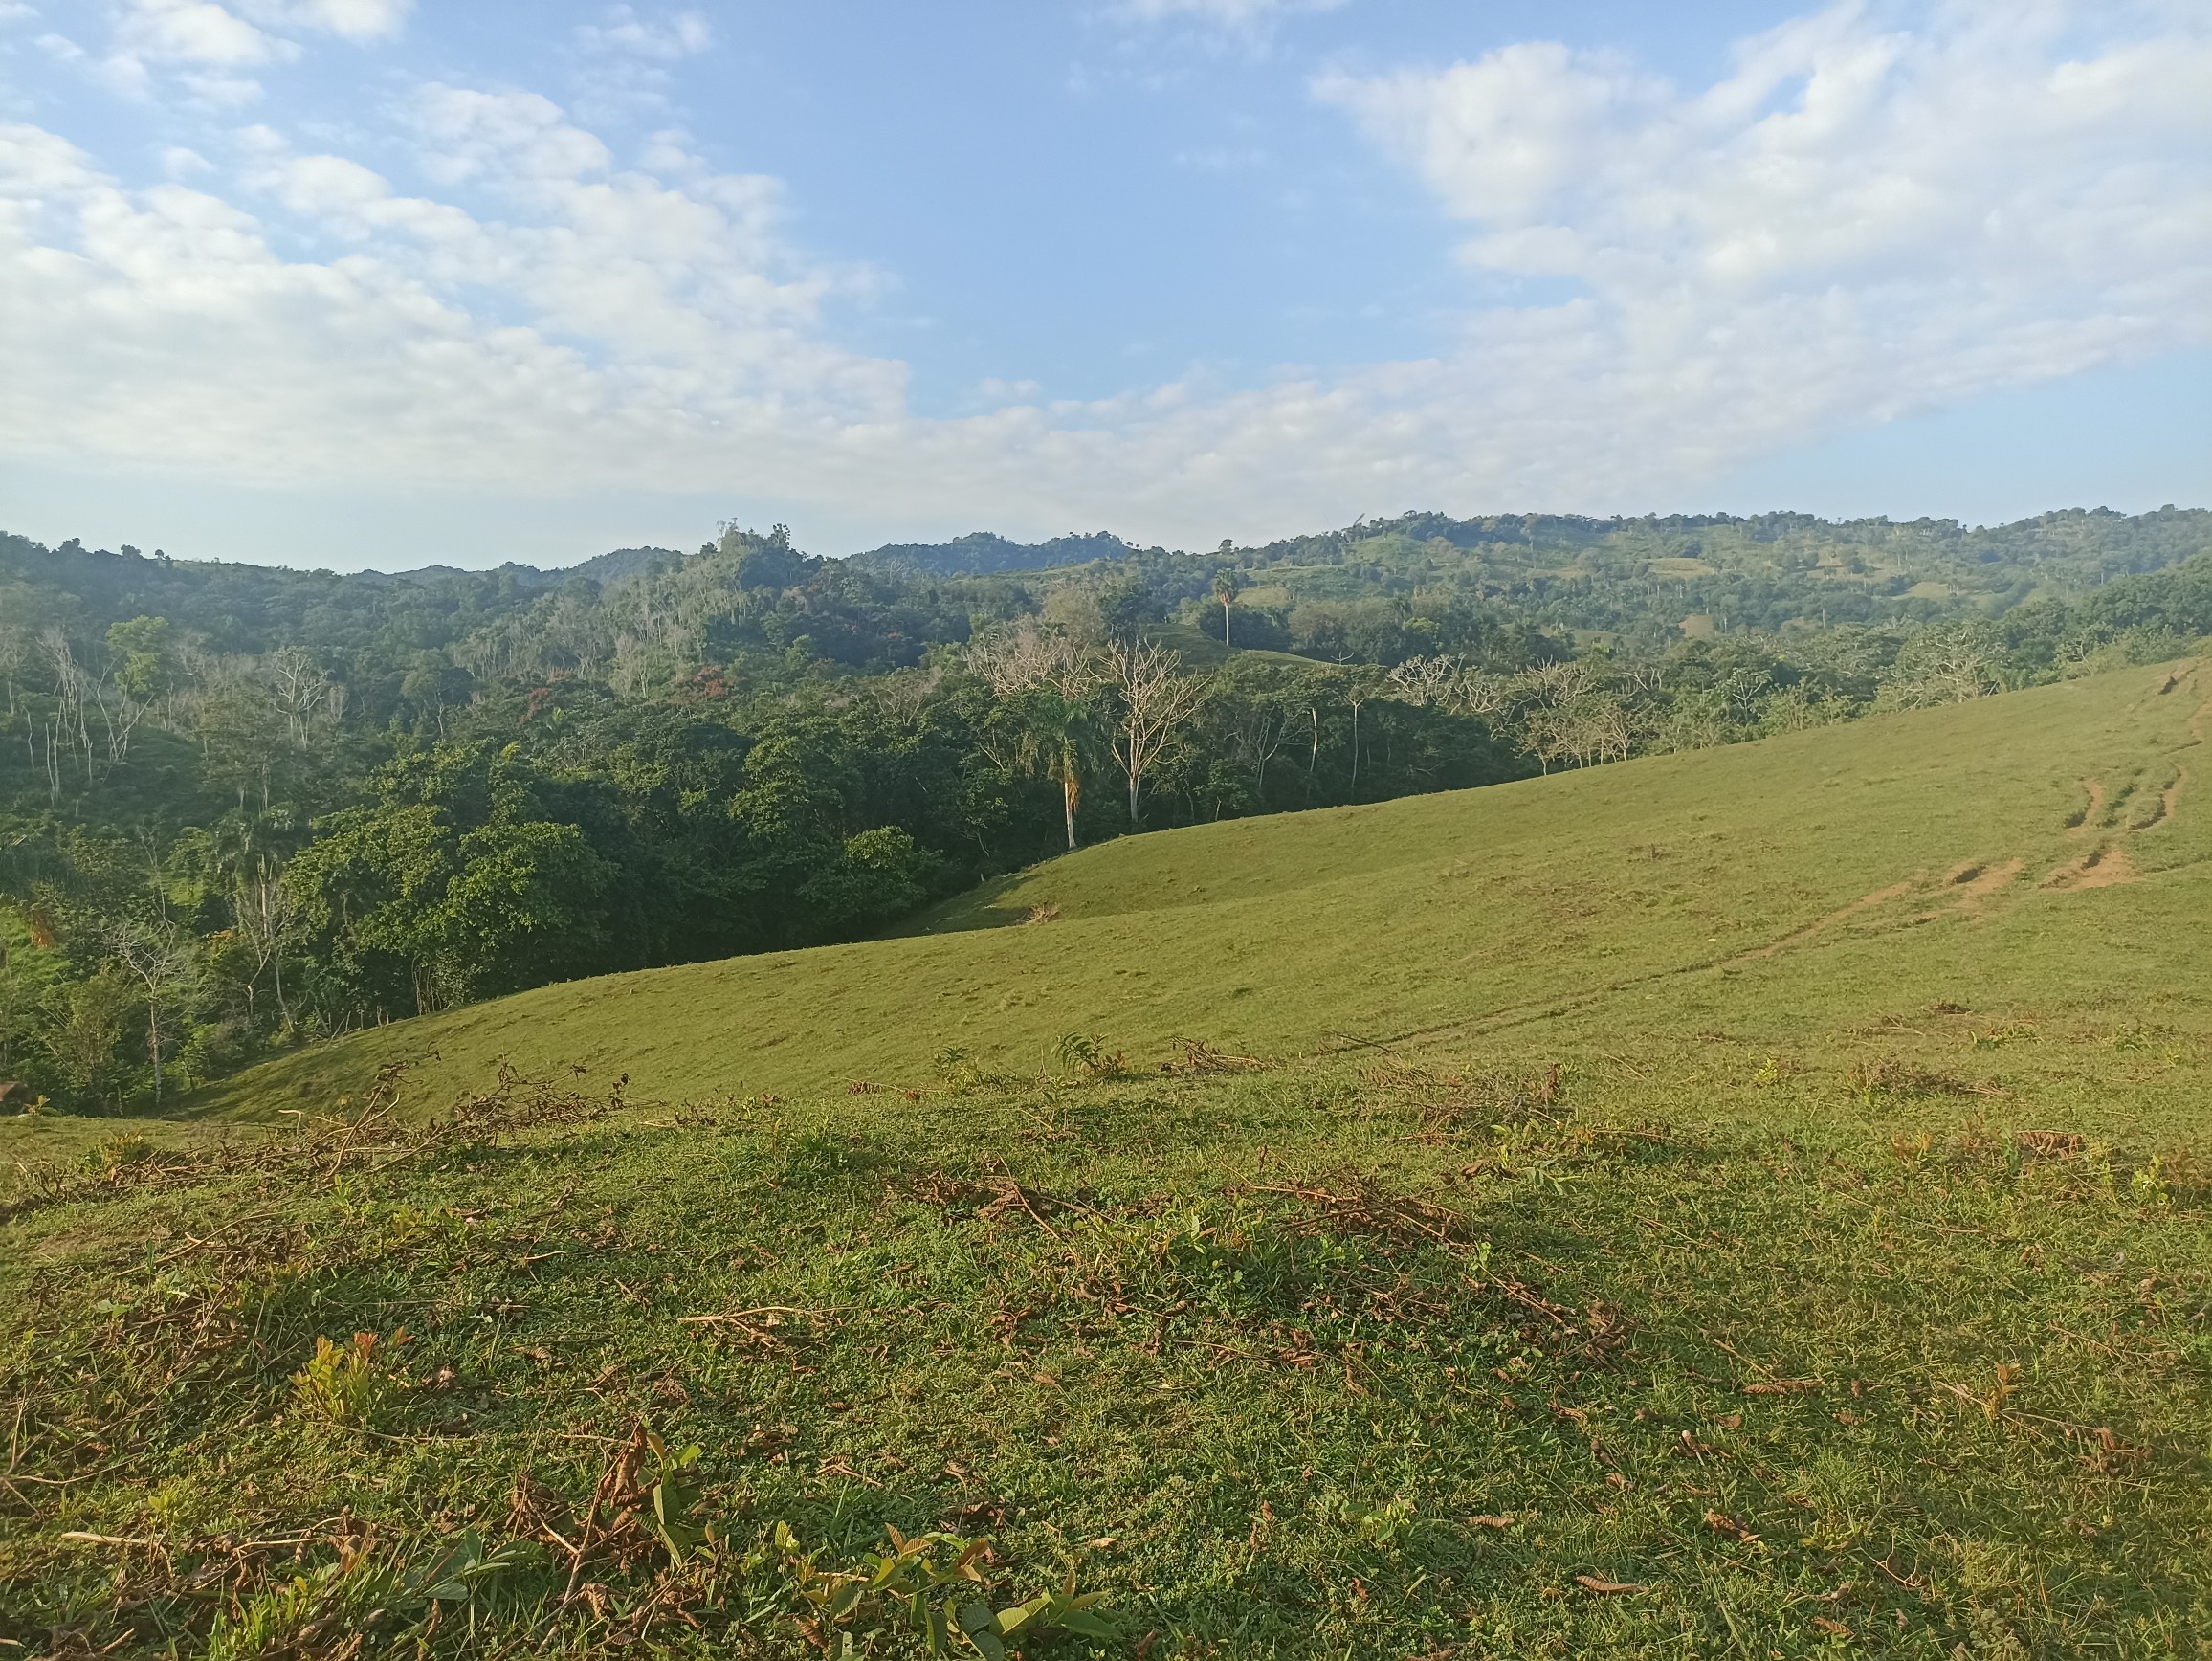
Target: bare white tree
[1258, 729]
[79, 694]
[160, 960]
[1428, 680]
[303, 692]
[1944, 663]
[267, 915]
[1153, 698]
[1453, 683]
[904, 695]
[119, 714]
[14, 651]
[1029, 658]
[69, 685]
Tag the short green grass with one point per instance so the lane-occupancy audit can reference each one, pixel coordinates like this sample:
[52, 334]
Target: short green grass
[1699, 1206]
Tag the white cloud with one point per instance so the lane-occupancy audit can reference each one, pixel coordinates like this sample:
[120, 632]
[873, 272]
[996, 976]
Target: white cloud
[349, 20]
[645, 273]
[1221, 158]
[1835, 155]
[615, 325]
[213, 48]
[1858, 220]
[519, 135]
[667, 40]
[626, 62]
[194, 32]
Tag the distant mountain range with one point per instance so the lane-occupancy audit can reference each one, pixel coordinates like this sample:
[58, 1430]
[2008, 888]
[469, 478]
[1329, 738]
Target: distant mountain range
[601, 568]
[979, 553]
[2066, 551]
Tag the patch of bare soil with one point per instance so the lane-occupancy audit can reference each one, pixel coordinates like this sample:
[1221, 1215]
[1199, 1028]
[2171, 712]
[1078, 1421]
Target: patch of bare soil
[1975, 883]
[2082, 823]
[2106, 865]
[2169, 799]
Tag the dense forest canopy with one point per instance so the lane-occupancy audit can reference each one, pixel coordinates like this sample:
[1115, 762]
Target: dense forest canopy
[243, 808]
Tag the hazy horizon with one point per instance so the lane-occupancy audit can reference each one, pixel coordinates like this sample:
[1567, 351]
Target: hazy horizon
[801, 543]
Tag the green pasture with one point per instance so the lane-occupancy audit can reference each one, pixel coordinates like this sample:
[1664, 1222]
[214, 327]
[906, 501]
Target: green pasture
[1601, 906]
[1742, 1203]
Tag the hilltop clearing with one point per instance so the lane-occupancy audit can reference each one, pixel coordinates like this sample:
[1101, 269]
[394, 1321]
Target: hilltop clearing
[1750, 1202]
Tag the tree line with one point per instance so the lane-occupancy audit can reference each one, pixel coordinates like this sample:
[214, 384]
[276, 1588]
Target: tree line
[233, 830]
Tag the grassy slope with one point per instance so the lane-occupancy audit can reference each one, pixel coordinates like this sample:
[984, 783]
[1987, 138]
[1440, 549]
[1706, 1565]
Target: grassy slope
[1625, 896]
[1757, 1307]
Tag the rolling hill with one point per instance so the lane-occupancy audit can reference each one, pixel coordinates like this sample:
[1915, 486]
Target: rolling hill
[1742, 1203]
[1772, 883]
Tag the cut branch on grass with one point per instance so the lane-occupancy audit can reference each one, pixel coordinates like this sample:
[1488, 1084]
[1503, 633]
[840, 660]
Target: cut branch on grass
[1367, 1208]
[1200, 1059]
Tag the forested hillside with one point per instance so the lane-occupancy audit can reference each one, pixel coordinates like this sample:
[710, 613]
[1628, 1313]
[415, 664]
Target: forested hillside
[243, 808]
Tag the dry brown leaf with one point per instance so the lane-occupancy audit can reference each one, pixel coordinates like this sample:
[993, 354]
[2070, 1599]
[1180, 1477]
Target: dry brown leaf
[1720, 1523]
[1592, 1584]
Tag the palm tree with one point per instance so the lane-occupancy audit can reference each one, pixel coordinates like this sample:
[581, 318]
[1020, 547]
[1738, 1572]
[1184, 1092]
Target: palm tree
[1060, 727]
[1224, 590]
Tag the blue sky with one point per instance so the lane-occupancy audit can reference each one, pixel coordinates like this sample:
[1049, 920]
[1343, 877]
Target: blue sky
[365, 283]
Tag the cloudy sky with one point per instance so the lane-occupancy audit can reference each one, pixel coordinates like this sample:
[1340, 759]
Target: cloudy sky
[382, 282]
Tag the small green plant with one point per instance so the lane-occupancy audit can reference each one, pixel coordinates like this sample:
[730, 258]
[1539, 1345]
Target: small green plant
[338, 1602]
[116, 1152]
[1389, 1526]
[817, 1155]
[958, 1069]
[456, 1574]
[329, 1609]
[673, 1495]
[931, 1586]
[348, 1383]
[1086, 1054]
[2149, 1184]
[1066, 1610]
[898, 1587]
